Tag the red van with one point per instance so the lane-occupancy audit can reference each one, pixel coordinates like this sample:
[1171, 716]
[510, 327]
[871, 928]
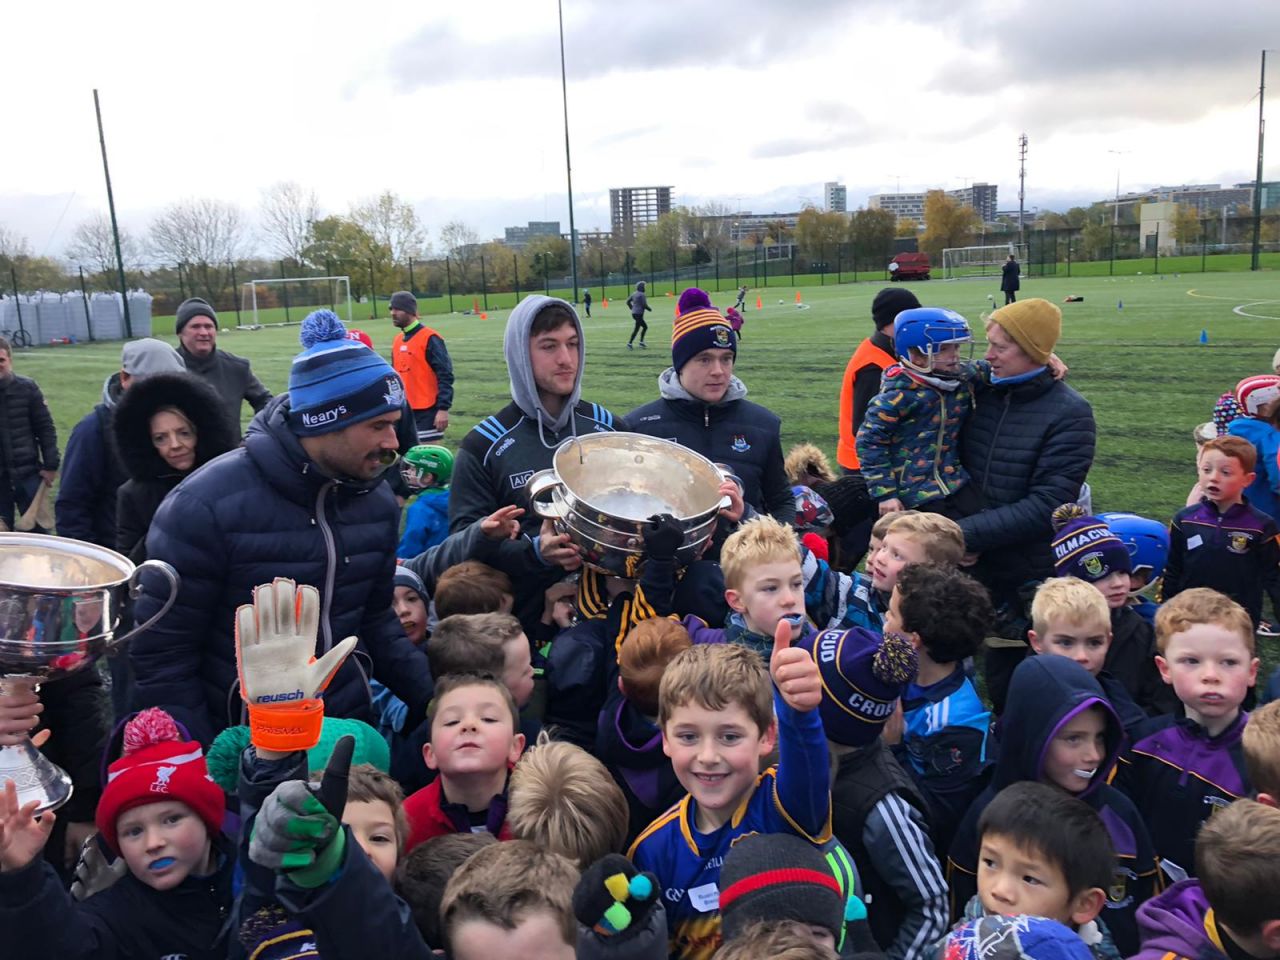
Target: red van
[909, 266]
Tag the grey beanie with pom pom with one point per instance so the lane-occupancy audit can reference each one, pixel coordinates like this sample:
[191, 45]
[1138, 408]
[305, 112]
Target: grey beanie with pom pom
[336, 382]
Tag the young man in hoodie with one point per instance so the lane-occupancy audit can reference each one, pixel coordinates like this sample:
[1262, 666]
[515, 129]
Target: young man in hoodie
[703, 406]
[544, 351]
[1226, 914]
[1059, 729]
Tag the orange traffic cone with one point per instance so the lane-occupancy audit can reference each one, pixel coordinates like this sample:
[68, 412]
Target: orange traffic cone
[604, 303]
[670, 294]
[484, 316]
[759, 302]
[797, 296]
[475, 305]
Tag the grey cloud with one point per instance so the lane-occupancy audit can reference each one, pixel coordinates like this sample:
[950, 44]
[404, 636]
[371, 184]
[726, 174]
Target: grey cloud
[1100, 63]
[599, 40]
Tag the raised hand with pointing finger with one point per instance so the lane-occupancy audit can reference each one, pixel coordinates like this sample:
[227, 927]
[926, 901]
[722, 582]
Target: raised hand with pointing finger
[794, 673]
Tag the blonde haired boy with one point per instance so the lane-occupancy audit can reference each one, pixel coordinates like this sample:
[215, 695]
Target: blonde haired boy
[1071, 618]
[1260, 745]
[906, 537]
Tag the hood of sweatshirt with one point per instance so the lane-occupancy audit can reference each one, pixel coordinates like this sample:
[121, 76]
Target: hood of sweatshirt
[1046, 693]
[1175, 923]
[670, 388]
[111, 390]
[515, 346]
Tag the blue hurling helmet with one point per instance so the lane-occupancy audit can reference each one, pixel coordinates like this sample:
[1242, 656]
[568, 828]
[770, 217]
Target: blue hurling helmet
[927, 329]
[1146, 540]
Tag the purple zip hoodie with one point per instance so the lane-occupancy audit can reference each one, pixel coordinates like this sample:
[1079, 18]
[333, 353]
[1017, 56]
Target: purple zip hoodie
[1179, 923]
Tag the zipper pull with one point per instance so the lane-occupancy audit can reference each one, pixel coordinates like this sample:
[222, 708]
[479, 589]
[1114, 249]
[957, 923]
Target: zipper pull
[706, 416]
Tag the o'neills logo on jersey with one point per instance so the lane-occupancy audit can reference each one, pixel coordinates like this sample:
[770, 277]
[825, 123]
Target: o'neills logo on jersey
[1066, 547]
[321, 417]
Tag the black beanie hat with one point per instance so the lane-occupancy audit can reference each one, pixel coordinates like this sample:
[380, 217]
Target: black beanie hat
[776, 876]
[193, 307]
[890, 302]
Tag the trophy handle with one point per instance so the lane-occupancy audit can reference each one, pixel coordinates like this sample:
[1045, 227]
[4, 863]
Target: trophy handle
[135, 591]
[539, 488]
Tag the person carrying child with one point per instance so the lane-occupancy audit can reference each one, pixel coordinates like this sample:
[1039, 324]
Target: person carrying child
[909, 443]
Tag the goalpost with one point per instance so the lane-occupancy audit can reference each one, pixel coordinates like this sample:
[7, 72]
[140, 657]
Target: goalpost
[980, 261]
[274, 303]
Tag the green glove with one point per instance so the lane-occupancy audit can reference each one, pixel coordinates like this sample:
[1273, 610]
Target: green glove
[298, 830]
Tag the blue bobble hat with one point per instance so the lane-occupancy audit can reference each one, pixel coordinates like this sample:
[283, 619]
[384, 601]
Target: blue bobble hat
[336, 382]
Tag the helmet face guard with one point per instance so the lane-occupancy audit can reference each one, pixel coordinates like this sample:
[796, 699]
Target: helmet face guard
[427, 467]
[928, 330]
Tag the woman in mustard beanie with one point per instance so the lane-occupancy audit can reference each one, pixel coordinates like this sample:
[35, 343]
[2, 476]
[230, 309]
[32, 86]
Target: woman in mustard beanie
[1029, 440]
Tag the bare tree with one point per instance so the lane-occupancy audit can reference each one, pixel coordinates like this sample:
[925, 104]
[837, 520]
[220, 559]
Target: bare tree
[205, 235]
[462, 244]
[392, 223]
[94, 246]
[288, 215]
[12, 243]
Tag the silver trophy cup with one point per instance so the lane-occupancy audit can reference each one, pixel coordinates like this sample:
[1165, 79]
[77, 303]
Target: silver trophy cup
[60, 602]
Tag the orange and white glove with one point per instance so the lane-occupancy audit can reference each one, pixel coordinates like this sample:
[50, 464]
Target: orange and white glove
[280, 678]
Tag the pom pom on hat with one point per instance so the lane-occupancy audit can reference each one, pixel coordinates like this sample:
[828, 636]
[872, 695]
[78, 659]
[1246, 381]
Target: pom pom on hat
[699, 326]
[863, 675]
[1064, 514]
[321, 326]
[896, 662]
[692, 299]
[158, 765]
[148, 728]
[1084, 546]
[336, 382]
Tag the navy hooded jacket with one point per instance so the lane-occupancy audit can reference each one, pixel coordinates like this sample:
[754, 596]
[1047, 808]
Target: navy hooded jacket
[260, 512]
[1046, 692]
[744, 435]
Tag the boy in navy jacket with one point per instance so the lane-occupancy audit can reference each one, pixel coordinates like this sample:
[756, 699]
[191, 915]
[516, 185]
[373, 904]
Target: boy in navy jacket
[1222, 542]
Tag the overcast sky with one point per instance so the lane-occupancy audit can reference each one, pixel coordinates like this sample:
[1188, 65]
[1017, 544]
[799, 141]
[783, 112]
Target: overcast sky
[753, 103]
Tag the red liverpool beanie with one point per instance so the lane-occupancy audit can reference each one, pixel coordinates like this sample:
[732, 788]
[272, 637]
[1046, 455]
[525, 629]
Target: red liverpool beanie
[158, 765]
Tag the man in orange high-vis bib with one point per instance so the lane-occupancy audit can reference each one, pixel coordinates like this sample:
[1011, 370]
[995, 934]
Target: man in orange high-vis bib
[862, 375]
[419, 355]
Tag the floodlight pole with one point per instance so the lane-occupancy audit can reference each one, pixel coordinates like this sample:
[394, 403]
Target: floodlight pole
[115, 227]
[1022, 186]
[568, 167]
[1257, 183]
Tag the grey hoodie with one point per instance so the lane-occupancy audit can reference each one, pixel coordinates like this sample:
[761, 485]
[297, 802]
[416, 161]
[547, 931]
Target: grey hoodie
[515, 346]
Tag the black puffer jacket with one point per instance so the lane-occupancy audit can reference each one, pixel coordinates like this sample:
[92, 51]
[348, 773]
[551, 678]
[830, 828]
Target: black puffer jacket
[1028, 448]
[264, 511]
[744, 435]
[150, 478]
[28, 440]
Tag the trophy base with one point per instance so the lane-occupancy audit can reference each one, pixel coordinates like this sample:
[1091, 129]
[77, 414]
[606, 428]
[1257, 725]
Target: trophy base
[36, 777]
